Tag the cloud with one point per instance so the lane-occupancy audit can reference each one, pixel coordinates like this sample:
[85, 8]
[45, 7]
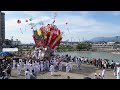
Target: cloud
[12, 24]
[79, 25]
[84, 12]
[12, 28]
[116, 13]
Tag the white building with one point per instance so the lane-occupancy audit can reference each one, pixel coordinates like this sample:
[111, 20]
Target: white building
[110, 43]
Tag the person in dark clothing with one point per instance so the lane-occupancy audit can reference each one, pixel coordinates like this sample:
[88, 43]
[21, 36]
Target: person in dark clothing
[33, 75]
[87, 78]
[3, 75]
[9, 71]
[97, 63]
[112, 65]
[1, 71]
[73, 59]
[100, 64]
[68, 77]
[107, 65]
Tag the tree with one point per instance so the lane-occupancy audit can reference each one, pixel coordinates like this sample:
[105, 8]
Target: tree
[83, 46]
[64, 47]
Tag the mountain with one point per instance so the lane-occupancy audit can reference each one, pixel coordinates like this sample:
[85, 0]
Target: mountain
[106, 39]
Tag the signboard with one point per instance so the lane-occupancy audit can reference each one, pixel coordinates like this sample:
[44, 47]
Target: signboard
[10, 49]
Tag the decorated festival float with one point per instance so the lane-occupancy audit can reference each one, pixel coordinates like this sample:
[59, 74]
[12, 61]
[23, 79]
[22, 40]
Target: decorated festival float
[46, 38]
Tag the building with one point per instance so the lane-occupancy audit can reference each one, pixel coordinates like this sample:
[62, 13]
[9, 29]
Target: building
[11, 43]
[110, 43]
[109, 46]
[68, 43]
[17, 42]
[2, 29]
[2, 26]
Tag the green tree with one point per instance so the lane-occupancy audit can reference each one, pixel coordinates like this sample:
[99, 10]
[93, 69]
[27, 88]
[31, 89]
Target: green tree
[64, 47]
[81, 46]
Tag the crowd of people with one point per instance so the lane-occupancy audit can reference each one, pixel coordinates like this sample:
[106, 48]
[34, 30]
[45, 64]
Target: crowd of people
[33, 67]
[103, 64]
[5, 69]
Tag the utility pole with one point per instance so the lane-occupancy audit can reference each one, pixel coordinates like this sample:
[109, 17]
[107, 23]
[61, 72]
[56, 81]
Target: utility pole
[103, 39]
[116, 38]
[83, 39]
[71, 40]
[79, 40]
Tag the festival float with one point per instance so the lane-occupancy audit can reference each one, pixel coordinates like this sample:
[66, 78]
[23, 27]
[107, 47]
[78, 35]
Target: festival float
[46, 38]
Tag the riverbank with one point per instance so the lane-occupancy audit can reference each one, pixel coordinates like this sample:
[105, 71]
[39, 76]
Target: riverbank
[102, 55]
[86, 71]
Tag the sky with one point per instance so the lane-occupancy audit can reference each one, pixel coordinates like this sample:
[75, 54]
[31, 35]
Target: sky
[82, 25]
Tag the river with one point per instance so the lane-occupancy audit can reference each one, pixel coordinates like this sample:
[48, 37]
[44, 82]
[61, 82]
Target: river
[102, 55]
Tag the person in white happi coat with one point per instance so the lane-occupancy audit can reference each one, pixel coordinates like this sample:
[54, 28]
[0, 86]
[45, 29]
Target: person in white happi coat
[60, 66]
[44, 65]
[47, 64]
[37, 67]
[33, 66]
[14, 63]
[28, 65]
[30, 68]
[82, 59]
[33, 54]
[71, 66]
[95, 76]
[55, 63]
[39, 54]
[27, 62]
[41, 66]
[20, 61]
[118, 72]
[67, 67]
[76, 60]
[25, 67]
[85, 59]
[99, 76]
[52, 69]
[20, 64]
[18, 69]
[103, 73]
[79, 64]
[27, 74]
[105, 65]
[42, 54]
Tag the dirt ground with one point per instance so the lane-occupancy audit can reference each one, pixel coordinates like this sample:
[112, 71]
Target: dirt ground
[86, 71]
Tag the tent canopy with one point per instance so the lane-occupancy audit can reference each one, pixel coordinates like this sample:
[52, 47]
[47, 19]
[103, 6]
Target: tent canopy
[5, 54]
